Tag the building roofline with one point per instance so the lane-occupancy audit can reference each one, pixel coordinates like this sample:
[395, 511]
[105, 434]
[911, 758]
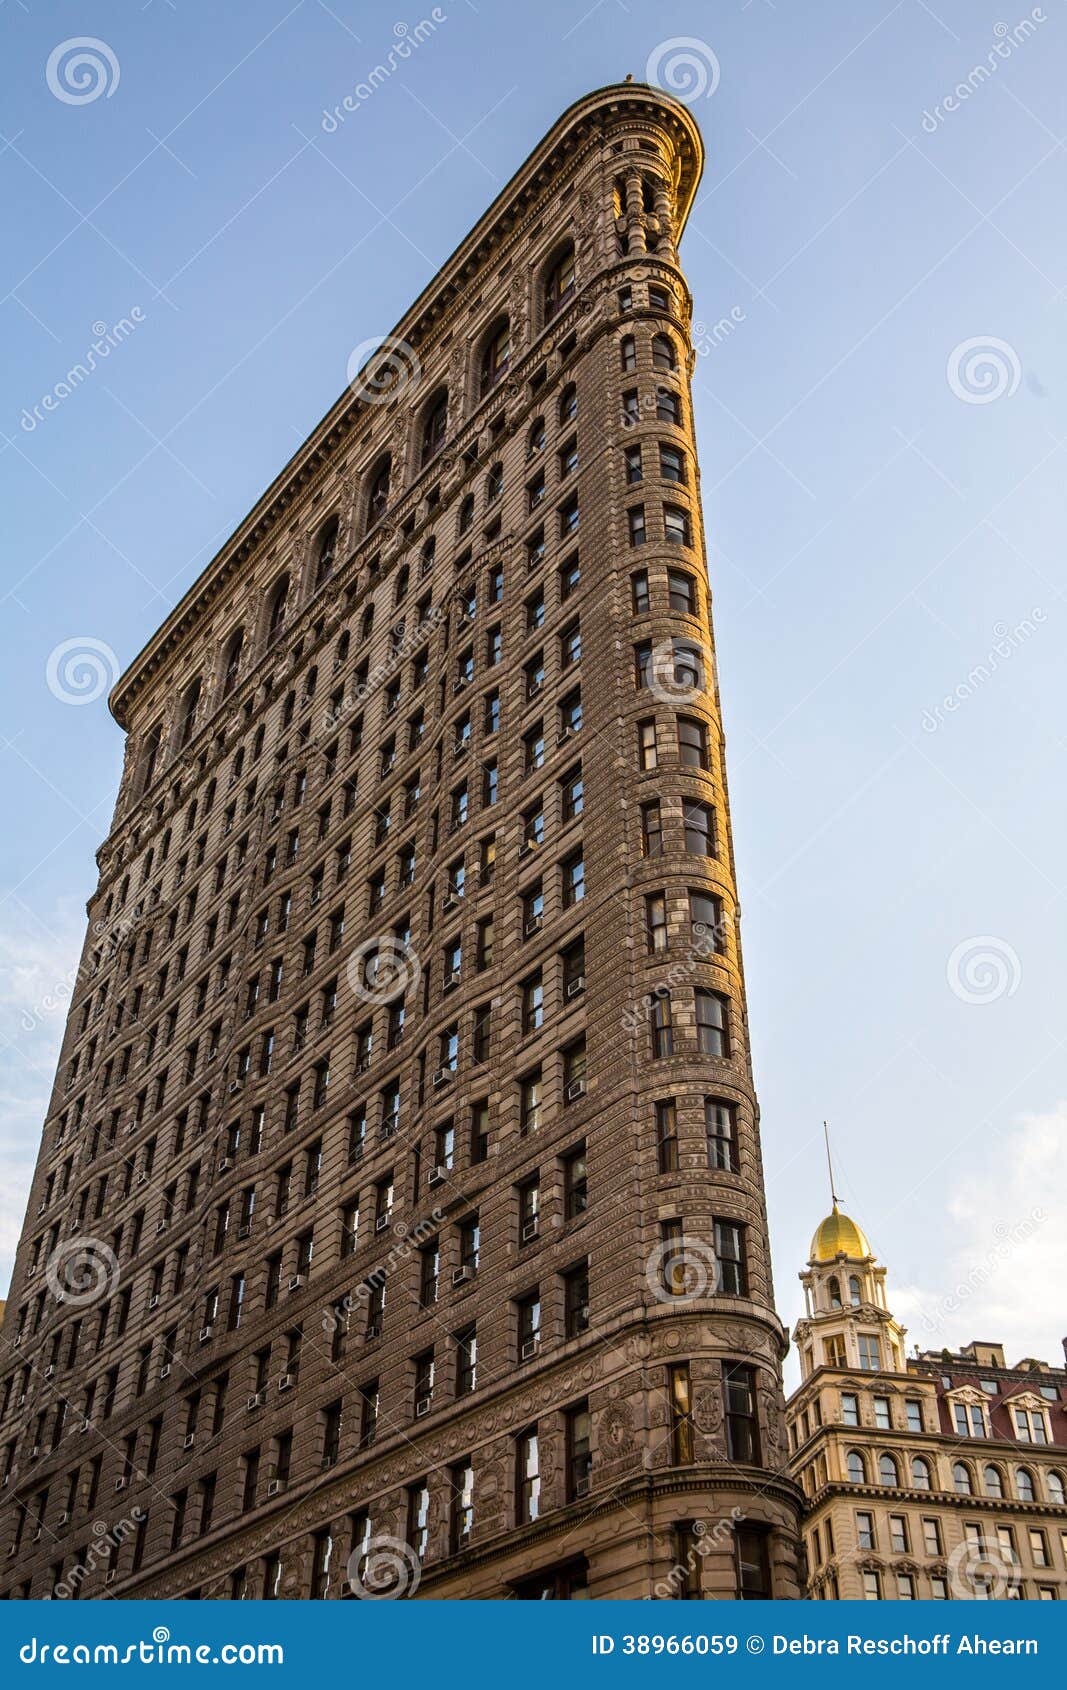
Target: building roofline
[348, 410]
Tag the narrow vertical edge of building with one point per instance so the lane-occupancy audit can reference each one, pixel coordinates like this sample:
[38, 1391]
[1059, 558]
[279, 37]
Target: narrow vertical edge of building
[399, 1213]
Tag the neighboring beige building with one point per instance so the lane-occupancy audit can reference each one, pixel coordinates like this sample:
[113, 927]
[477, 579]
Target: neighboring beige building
[934, 1476]
[400, 1193]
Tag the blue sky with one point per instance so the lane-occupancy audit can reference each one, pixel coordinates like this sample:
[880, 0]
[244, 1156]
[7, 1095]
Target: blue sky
[881, 425]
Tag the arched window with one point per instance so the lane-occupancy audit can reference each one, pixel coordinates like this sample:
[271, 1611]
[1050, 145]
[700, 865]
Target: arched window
[494, 484]
[1024, 1484]
[855, 1294]
[403, 578]
[559, 282]
[367, 624]
[834, 1290]
[497, 354]
[568, 403]
[326, 554]
[535, 440]
[378, 498]
[341, 653]
[187, 714]
[992, 1482]
[888, 1473]
[466, 514]
[279, 602]
[627, 354]
[920, 1473]
[857, 1471]
[429, 552]
[231, 661]
[663, 353]
[434, 427]
[961, 1479]
[1055, 1487]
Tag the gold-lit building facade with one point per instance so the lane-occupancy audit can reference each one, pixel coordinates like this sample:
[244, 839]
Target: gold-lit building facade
[941, 1475]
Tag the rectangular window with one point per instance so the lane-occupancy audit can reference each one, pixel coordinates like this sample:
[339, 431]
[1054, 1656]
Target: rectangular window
[720, 1128]
[742, 1425]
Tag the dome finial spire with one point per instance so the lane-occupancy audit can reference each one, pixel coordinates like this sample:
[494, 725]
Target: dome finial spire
[830, 1165]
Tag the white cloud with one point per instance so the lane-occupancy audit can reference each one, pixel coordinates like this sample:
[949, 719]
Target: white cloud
[1001, 1273]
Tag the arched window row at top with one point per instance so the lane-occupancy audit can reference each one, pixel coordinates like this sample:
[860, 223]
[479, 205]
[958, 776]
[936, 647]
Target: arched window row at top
[988, 1479]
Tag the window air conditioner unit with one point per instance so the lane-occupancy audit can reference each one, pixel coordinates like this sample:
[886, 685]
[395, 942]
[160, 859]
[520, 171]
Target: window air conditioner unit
[423, 1406]
[575, 1090]
[581, 1487]
[64, 1516]
[564, 735]
[297, 1282]
[462, 1275]
[50, 1370]
[436, 1176]
[449, 901]
[373, 1331]
[274, 1487]
[576, 986]
[153, 1301]
[530, 1347]
[109, 1576]
[161, 1226]
[120, 1484]
[441, 1076]
[533, 925]
[189, 1440]
[205, 1333]
[244, 1230]
[86, 1426]
[256, 1400]
[452, 978]
[287, 1381]
[530, 1230]
[381, 1223]
[235, 1087]
[164, 1372]
[225, 1165]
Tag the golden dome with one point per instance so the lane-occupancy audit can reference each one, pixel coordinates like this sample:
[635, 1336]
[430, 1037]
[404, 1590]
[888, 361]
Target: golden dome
[838, 1236]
